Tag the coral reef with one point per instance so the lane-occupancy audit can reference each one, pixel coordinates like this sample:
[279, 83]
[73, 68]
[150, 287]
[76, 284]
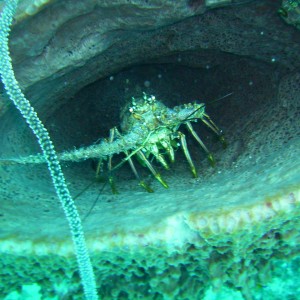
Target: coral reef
[235, 229]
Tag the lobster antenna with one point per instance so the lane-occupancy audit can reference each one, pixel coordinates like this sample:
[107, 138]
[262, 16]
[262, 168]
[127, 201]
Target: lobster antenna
[229, 94]
[193, 112]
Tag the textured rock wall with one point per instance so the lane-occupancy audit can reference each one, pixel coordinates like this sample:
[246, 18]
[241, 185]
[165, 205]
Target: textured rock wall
[67, 45]
[228, 227]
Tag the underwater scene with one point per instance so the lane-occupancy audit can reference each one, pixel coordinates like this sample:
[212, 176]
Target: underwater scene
[150, 149]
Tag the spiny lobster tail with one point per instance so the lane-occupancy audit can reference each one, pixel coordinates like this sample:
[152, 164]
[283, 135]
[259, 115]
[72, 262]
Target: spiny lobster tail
[96, 151]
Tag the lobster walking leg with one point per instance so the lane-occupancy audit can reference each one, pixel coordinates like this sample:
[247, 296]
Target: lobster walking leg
[187, 154]
[198, 139]
[142, 183]
[152, 170]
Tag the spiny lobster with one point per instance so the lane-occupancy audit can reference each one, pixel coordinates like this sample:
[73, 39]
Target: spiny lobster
[148, 129]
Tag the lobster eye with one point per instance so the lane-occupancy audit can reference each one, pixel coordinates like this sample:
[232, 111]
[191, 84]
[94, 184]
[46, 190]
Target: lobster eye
[282, 12]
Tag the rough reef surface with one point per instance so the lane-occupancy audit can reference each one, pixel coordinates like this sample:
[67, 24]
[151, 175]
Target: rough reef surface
[229, 232]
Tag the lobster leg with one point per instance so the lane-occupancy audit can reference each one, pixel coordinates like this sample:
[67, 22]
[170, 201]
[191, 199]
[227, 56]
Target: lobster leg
[143, 158]
[209, 123]
[142, 183]
[111, 179]
[109, 165]
[167, 145]
[187, 154]
[154, 150]
[99, 168]
[197, 138]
